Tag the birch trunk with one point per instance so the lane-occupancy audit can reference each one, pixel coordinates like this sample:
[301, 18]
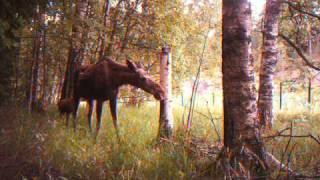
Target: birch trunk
[268, 62]
[166, 119]
[75, 48]
[45, 66]
[35, 65]
[104, 34]
[239, 97]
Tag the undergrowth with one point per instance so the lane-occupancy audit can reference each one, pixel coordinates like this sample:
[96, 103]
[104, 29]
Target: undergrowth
[40, 146]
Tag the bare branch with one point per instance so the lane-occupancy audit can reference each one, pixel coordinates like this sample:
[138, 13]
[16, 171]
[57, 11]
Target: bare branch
[280, 134]
[299, 51]
[301, 10]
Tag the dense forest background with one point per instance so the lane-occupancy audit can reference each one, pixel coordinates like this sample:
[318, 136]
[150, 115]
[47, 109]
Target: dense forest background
[42, 43]
[38, 40]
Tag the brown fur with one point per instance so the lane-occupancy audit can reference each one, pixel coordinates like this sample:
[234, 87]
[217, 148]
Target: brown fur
[66, 107]
[101, 82]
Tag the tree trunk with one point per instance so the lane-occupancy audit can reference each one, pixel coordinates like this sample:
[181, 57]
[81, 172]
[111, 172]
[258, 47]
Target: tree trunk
[104, 34]
[239, 102]
[33, 97]
[310, 79]
[268, 62]
[310, 93]
[280, 95]
[114, 22]
[166, 119]
[75, 47]
[45, 66]
[17, 70]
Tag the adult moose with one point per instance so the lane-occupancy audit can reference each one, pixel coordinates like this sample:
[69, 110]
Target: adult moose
[101, 82]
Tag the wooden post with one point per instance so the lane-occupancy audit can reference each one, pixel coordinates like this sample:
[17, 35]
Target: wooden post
[280, 95]
[166, 119]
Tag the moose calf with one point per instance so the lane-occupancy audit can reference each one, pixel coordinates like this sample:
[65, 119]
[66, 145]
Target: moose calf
[66, 107]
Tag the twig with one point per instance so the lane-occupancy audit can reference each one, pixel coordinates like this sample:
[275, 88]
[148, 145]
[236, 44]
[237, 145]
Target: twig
[276, 134]
[196, 81]
[279, 134]
[285, 150]
[289, 160]
[214, 125]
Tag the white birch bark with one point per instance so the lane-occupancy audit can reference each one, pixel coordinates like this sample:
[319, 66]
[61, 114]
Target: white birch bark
[166, 118]
[268, 62]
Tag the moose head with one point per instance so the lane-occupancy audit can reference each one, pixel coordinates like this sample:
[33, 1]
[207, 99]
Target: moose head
[143, 81]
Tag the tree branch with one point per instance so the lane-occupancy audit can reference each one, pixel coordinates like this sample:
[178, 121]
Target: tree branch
[302, 11]
[281, 134]
[299, 51]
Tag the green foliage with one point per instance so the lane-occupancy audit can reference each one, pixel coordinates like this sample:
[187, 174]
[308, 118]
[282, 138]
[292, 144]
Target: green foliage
[64, 153]
[43, 143]
[302, 153]
[13, 16]
[135, 30]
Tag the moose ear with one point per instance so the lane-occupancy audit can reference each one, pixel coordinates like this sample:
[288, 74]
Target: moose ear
[131, 65]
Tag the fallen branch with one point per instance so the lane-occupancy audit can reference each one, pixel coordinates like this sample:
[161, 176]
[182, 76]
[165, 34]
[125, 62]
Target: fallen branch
[273, 161]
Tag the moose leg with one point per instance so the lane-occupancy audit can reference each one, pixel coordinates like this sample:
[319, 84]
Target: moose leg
[75, 112]
[113, 110]
[90, 103]
[98, 112]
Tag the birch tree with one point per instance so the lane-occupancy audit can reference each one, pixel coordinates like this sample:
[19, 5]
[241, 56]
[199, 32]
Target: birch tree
[268, 62]
[75, 47]
[239, 97]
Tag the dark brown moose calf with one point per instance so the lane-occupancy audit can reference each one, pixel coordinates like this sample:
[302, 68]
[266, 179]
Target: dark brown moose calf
[101, 82]
[66, 107]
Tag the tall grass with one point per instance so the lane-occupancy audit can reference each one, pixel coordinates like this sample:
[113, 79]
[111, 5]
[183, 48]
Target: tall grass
[41, 146]
[45, 142]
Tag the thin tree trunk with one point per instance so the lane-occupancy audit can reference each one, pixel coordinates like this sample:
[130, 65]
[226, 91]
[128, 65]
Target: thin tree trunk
[75, 47]
[86, 33]
[45, 71]
[310, 93]
[114, 22]
[310, 80]
[268, 62]
[166, 119]
[35, 65]
[129, 26]
[28, 79]
[54, 83]
[104, 34]
[239, 97]
[280, 95]
[17, 71]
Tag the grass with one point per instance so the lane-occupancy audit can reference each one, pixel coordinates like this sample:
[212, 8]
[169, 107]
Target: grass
[303, 153]
[39, 146]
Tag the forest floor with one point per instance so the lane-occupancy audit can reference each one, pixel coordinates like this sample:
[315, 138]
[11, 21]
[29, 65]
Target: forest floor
[40, 147]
